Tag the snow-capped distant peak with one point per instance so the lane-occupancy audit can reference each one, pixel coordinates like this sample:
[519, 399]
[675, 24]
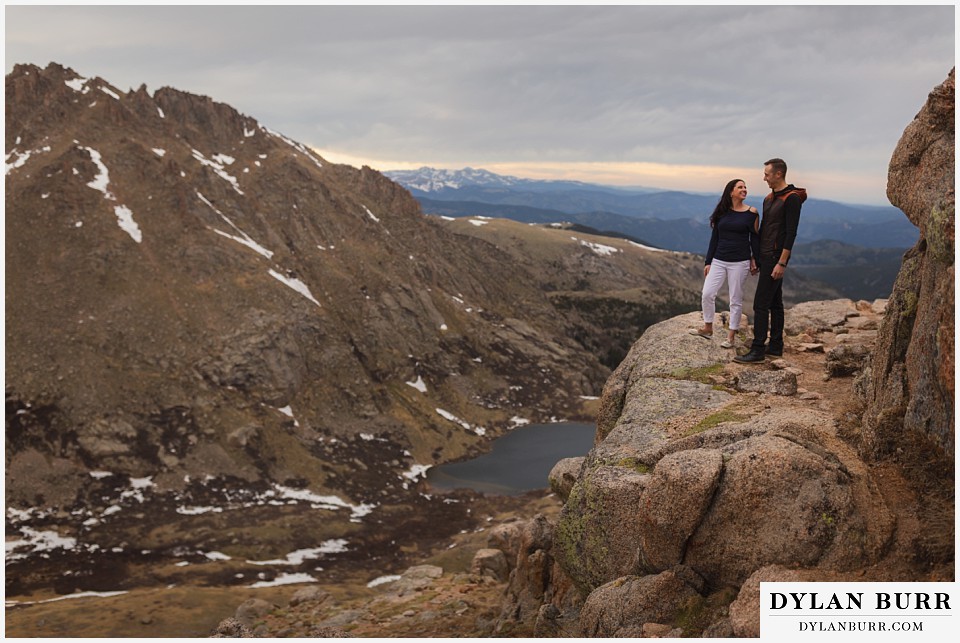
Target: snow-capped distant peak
[428, 179]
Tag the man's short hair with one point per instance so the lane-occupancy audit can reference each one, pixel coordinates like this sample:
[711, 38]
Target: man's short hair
[778, 165]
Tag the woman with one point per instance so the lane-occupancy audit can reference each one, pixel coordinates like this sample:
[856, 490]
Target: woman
[733, 252]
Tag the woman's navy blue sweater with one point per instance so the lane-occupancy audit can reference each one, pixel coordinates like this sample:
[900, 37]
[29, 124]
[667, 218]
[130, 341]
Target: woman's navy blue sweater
[734, 237]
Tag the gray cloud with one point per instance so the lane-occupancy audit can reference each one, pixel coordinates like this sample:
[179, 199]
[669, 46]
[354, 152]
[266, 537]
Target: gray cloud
[826, 87]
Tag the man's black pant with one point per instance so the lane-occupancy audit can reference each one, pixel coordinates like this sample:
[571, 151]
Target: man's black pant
[768, 308]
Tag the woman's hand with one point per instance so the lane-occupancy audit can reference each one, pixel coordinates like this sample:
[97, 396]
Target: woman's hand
[706, 270]
[753, 267]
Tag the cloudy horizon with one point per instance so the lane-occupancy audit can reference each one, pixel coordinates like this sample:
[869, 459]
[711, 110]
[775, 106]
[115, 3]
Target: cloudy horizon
[676, 97]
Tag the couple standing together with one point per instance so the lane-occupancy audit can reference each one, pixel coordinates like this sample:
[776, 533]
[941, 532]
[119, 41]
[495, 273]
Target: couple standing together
[743, 244]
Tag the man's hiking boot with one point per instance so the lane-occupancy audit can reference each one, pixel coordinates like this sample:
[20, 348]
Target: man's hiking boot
[753, 357]
[775, 352]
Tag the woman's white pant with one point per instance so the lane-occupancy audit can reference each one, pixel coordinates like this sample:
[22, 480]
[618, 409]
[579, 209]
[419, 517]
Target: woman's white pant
[736, 275]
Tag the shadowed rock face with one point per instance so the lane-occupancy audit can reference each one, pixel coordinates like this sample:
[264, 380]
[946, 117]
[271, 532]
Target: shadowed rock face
[912, 387]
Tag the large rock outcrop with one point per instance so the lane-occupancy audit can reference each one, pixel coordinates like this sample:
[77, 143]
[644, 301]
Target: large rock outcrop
[738, 483]
[911, 392]
[759, 488]
[695, 483]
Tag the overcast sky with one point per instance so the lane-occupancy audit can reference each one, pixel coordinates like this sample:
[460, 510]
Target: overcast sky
[681, 97]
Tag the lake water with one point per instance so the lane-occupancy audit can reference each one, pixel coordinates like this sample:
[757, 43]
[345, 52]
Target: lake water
[520, 461]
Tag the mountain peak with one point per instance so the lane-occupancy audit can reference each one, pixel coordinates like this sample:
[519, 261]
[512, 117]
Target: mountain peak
[185, 258]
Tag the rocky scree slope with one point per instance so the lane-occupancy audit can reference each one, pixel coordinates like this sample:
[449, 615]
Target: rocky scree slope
[188, 291]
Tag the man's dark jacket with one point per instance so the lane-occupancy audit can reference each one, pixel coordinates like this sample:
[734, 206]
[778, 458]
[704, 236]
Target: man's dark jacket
[781, 218]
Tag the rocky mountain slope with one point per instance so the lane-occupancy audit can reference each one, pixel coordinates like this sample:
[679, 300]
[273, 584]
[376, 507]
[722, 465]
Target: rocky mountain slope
[177, 272]
[216, 341]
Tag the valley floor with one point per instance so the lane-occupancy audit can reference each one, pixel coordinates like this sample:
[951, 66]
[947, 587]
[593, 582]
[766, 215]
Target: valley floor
[167, 600]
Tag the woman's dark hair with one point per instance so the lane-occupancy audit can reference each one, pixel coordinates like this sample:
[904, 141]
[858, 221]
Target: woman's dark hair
[725, 203]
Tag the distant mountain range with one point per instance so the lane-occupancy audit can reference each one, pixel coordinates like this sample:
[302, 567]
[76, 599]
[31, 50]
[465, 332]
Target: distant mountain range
[857, 249]
[669, 219]
[428, 179]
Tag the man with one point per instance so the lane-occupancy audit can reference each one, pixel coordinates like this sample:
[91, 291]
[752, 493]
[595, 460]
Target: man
[778, 230]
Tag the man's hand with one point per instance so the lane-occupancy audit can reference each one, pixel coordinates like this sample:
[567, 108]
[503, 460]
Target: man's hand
[777, 272]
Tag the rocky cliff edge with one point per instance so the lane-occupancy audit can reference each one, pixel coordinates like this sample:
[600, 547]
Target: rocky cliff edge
[910, 390]
[708, 477]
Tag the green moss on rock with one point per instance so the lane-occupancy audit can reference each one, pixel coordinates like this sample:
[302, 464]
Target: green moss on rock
[939, 234]
[635, 464]
[715, 419]
[701, 374]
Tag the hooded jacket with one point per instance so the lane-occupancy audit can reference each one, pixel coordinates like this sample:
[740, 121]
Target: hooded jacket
[781, 218]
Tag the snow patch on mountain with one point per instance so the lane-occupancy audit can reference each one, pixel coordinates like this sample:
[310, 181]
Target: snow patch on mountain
[479, 430]
[300, 147]
[218, 168]
[244, 238]
[598, 248]
[295, 284]
[420, 385]
[333, 546]
[20, 158]
[78, 84]
[101, 183]
[651, 248]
